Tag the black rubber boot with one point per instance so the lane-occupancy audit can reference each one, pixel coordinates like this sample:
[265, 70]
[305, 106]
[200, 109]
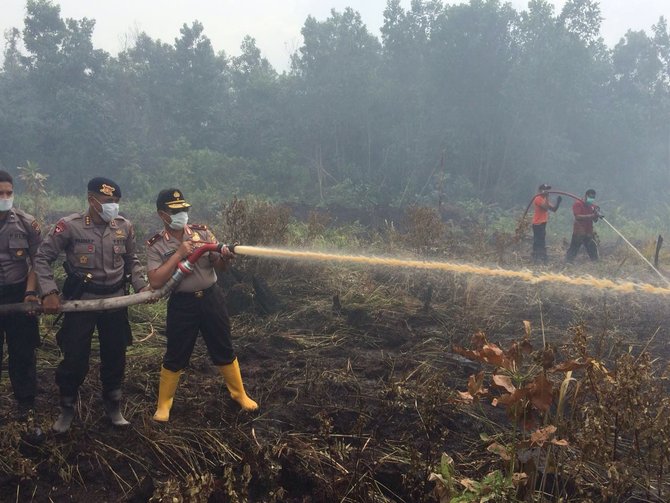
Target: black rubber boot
[25, 413]
[66, 415]
[25, 409]
[112, 404]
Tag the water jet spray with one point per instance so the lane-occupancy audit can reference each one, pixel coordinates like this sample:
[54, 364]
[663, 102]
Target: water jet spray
[186, 266]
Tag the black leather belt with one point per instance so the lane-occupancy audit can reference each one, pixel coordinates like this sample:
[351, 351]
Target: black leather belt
[198, 294]
[98, 289]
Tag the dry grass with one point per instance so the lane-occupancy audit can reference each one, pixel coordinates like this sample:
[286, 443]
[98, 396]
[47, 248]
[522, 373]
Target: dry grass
[356, 381]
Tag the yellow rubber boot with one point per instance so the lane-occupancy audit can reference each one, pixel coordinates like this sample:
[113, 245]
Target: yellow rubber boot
[233, 377]
[166, 391]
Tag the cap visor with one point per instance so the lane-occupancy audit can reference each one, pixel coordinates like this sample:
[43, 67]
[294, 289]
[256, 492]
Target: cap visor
[175, 206]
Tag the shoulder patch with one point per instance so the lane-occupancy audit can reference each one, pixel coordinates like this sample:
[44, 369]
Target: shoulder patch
[60, 227]
[198, 227]
[153, 239]
[28, 220]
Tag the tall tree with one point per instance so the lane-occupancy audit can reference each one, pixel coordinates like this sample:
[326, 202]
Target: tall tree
[335, 73]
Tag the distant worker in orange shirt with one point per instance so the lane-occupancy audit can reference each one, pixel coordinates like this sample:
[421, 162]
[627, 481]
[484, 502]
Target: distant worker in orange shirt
[542, 206]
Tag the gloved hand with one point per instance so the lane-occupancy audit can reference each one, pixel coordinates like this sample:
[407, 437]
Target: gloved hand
[558, 202]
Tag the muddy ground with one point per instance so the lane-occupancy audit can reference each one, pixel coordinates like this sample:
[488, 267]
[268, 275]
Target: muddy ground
[354, 374]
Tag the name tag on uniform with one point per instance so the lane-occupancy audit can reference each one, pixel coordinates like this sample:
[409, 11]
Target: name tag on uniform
[170, 253]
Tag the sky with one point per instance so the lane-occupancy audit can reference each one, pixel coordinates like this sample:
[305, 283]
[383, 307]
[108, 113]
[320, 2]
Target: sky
[275, 24]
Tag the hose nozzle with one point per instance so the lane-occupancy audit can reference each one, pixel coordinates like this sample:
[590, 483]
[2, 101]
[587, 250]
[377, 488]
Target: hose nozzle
[187, 264]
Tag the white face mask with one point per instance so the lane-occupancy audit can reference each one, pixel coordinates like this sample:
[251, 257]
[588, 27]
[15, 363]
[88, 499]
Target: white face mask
[6, 204]
[179, 220]
[109, 211]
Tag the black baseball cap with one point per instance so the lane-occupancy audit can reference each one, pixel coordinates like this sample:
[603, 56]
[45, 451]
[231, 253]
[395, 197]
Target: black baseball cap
[544, 186]
[172, 199]
[104, 186]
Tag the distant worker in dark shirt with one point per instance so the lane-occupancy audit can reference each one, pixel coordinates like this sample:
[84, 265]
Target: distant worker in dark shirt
[586, 212]
[542, 206]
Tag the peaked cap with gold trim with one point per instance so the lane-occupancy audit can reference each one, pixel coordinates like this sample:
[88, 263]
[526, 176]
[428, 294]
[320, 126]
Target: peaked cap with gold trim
[171, 199]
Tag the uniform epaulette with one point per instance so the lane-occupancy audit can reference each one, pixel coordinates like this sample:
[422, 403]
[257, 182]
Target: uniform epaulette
[28, 220]
[23, 216]
[72, 216]
[153, 239]
[198, 227]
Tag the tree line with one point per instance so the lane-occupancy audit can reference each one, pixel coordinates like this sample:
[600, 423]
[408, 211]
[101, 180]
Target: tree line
[474, 100]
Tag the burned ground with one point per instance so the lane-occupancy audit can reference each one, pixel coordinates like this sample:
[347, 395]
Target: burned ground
[356, 378]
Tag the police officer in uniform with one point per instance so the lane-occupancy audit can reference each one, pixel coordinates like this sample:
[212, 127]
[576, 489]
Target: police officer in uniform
[195, 306]
[19, 239]
[99, 247]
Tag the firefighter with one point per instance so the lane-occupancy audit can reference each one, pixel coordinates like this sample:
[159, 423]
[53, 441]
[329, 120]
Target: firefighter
[586, 212]
[99, 247]
[19, 240]
[197, 304]
[542, 206]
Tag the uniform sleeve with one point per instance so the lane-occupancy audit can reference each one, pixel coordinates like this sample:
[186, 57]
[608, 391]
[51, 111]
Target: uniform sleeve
[132, 263]
[48, 251]
[34, 239]
[211, 238]
[154, 260]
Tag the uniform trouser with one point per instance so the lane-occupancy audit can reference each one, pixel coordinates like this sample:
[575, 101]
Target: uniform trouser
[539, 242]
[74, 339]
[188, 315]
[576, 243]
[23, 337]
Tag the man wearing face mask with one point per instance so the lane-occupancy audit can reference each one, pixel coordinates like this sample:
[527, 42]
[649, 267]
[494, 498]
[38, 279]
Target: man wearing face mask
[99, 247]
[585, 212]
[19, 239]
[195, 306]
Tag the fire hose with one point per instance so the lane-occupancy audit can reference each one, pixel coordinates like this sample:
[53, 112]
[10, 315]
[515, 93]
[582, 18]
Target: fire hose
[559, 192]
[184, 268]
[601, 217]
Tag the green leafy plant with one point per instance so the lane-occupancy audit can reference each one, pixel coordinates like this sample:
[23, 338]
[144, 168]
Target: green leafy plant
[35, 189]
